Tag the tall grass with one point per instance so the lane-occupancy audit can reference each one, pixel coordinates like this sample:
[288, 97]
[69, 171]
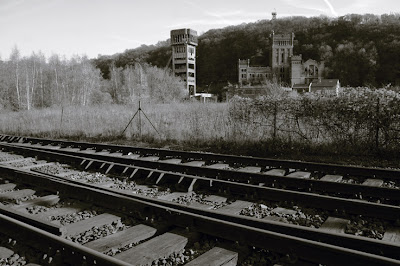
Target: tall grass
[234, 127]
[177, 121]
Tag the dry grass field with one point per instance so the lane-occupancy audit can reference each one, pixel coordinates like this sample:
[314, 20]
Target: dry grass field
[176, 121]
[215, 127]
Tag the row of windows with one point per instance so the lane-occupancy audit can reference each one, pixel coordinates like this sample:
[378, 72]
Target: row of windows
[184, 37]
[281, 43]
[283, 57]
[311, 70]
[255, 75]
[180, 49]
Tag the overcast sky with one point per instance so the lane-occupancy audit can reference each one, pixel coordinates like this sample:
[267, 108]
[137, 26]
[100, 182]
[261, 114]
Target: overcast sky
[93, 27]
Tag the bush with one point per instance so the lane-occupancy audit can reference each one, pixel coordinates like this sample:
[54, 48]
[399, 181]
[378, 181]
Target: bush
[357, 116]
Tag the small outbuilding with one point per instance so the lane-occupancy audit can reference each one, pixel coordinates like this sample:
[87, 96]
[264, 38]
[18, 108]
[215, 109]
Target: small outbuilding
[325, 85]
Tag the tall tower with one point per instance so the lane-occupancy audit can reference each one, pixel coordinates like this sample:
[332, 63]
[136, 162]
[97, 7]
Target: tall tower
[282, 50]
[183, 43]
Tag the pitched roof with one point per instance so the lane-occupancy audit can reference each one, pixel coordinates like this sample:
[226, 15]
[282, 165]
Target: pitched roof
[324, 83]
[300, 86]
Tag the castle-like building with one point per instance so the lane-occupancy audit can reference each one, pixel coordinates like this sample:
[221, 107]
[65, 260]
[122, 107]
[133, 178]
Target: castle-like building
[285, 67]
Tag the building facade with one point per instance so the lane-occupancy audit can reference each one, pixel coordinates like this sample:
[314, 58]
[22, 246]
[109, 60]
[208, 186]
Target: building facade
[305, 72]
[252, 74]
[183, 44]
[282, 51]
[285, 67]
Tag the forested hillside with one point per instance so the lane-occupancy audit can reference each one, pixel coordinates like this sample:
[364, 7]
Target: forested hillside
[360, 50]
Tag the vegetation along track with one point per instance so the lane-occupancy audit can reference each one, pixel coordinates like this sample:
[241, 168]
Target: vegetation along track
[261, 198]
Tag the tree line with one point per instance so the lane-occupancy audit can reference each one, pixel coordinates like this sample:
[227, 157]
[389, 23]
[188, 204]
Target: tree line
[360, 50]
[36, 82]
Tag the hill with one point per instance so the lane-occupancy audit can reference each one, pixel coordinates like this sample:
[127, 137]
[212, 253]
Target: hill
[360, 50]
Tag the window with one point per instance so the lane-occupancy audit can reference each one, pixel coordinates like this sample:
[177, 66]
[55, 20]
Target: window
[191, 66]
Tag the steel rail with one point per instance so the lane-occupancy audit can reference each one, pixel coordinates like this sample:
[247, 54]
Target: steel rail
[291, 183]
[80, 190]
[231, 159]
[335, 204]
[307, 249]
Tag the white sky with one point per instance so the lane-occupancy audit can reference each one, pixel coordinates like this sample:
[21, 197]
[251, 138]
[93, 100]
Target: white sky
[92, 27]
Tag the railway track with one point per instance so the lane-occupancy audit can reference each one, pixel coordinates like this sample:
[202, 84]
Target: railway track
[230, 200]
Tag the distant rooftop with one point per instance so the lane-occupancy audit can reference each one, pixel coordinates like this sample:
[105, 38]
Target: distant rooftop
[324, 82]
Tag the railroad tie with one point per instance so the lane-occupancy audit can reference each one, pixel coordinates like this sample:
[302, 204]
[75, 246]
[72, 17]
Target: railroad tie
[280, 212]
[159, 247]
[283, 211]
[172, 161]
[17, 194]
[116, 154]
[251, 169]
[150, 158]
[332, 178]
[234, 207]
[373, 182]
[107, 184]
[215, 198]
[59, 212]
[109, 168]
[5, 253]
[88, 165]
[277, 172]
[36, 165]
[88, 151]
[43, 201]
[300, 174]
[335, 225]
[216, 257]
[199, 205]
[67, 173]
[16, 161]
[392, 234]
[32, 220]
[87, 224]
[103, 153]
[132, 155]
[173, 196]
[195, 163]
[123, 238]
[8, 186]
[220, 166]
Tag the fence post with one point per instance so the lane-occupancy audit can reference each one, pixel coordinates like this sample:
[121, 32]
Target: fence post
[377, 125]
[61, 121]
[275, 115]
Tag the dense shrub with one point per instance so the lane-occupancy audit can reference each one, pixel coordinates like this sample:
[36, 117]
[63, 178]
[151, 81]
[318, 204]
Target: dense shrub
[357, 116]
